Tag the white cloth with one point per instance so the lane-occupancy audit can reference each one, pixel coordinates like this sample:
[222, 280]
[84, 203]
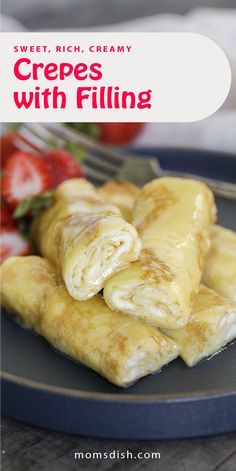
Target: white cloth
[217, 132]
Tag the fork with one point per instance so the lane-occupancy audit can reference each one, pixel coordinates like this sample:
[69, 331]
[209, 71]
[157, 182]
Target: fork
[104, 163]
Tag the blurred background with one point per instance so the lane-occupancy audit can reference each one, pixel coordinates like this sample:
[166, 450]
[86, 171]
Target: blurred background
[214, 18]
[84, 13]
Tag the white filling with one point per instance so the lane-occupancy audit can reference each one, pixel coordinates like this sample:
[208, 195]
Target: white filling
[99, 261]
[138, 298]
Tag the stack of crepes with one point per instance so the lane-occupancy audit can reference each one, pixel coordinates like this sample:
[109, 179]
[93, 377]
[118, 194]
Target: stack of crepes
[147, 249]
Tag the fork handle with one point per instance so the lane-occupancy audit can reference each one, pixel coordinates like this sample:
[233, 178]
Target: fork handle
[219, 187]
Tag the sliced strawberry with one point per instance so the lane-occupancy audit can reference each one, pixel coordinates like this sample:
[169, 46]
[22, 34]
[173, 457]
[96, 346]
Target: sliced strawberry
[12, 142]
[12, 243]
[8, 146]
[24, 175]
[62, 165]
[6, 216]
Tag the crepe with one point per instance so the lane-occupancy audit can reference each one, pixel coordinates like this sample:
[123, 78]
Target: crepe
[220, 269]
[172, 216]
[85, 237]
[211, 326]
[122, 194]
[118, 347]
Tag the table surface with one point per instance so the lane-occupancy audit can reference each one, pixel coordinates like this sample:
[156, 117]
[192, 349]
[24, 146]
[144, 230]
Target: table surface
[25, 447]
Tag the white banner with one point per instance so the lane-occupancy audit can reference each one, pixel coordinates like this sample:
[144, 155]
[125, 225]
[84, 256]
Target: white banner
[82, 77]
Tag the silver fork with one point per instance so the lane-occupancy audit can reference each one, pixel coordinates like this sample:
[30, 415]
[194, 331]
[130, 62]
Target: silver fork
[104, 163]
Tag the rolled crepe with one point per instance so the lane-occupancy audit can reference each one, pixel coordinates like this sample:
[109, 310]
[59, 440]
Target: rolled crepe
[85, 237]
[220, 268]
[118, 347]
[122, 194]
[211, 326]
[172, 216]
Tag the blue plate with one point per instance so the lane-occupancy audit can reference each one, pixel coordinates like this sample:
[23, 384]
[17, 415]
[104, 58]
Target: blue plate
[44, 388]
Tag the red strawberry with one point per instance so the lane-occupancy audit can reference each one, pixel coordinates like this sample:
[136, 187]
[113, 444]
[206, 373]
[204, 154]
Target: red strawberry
[24, 175]
[61, 165]
[6, 216]
[10, 143]
[8, 146]
[12, 243]
[119, 133]
[111, 133]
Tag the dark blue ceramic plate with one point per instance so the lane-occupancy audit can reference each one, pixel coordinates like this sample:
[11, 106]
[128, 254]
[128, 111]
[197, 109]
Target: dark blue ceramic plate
[44, 388]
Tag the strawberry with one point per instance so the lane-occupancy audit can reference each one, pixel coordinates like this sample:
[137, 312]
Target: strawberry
[10, 143]
[12, 243]
[111, 133]
[8, 146]
[61, 165]
[6, 216]
[24, 175]
[119, 133]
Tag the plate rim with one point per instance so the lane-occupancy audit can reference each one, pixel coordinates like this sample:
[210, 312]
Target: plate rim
[115, 397]
[219, 153]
